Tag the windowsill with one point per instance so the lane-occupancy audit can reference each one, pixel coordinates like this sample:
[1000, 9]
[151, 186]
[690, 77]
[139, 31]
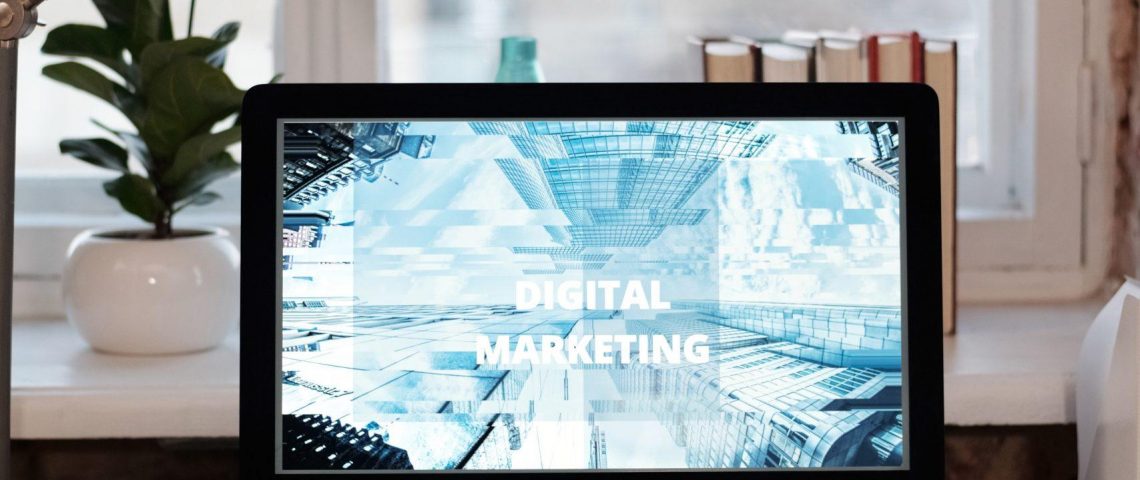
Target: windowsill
[61, 389]
[1015, 365]
[1007, 366]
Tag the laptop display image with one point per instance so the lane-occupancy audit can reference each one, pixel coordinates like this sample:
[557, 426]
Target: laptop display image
[586, 294]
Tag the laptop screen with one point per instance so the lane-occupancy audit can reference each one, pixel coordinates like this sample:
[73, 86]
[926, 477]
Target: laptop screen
[574, 295]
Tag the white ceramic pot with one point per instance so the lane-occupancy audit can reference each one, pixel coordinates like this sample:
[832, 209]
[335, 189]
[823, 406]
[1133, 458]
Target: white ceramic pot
[145, 297]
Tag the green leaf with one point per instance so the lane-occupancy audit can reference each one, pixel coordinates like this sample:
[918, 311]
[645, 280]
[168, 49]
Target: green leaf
[214, 168]
[158, 56]
[225, 34]
[136, 195]
[89, 80]
[135, 145]
[96, 151]
[84, 78]
[198, 151]
[138, 22]
[88, 41]
[184, 99]
[204, 198]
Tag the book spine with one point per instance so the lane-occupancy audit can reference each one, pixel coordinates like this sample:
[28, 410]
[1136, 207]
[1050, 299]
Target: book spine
[704, 60]
[757, 62]
[813, 52]
[695, 57]
[817, 67]
[917, 52]
[873, 58]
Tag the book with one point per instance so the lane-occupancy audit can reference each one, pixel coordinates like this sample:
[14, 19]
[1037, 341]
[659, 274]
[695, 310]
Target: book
[894, 57]
[695, 51]
[779, 60]
[841, 59]
[729, 61]
[839, 56]
[695, 55]
[940, 65]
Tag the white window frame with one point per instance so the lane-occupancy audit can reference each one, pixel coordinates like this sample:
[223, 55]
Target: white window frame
[1050, 239]
[340, 44]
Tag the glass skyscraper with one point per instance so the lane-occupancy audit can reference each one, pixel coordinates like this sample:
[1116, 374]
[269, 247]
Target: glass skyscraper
[775, 241]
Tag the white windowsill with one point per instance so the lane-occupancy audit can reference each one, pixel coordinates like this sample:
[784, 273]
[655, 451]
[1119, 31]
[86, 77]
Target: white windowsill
[61, 389]
[1015, 365]
[1007, 366]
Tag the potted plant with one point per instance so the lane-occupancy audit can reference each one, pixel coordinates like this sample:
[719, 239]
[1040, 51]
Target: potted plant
[161, 289]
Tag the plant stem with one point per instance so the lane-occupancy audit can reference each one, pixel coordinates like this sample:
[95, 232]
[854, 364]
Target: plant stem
[163, 227]
[190, 26]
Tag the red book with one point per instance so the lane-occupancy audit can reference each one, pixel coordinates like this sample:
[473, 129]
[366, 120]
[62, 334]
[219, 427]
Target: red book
[894, 57]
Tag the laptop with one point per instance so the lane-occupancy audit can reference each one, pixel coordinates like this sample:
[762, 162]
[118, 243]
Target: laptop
[591, 280]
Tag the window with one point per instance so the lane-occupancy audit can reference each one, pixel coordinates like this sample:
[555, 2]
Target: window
[50, 111]
[1040, 229]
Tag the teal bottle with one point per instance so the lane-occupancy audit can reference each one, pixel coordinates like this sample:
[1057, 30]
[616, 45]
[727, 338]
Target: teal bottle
[518, 62]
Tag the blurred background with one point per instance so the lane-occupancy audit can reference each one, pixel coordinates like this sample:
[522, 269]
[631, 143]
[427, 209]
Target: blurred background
[1046, 156]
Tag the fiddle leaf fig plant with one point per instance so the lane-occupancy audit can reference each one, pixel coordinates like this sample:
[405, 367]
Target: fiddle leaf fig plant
[174, 93]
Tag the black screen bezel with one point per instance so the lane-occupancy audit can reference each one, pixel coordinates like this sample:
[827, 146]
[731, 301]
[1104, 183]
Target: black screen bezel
[914, 105]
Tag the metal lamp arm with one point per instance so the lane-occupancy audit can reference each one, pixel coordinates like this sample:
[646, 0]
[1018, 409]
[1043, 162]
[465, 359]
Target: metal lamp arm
[17, 20]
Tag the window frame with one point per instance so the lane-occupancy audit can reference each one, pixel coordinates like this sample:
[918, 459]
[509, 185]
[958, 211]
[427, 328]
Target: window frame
[1044, 247]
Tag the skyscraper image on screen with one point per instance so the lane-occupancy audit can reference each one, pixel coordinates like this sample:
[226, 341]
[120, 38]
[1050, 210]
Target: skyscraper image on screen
[591, 294]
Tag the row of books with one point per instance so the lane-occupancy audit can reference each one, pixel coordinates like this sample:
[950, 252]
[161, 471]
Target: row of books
[801, 56]
[829, 56]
